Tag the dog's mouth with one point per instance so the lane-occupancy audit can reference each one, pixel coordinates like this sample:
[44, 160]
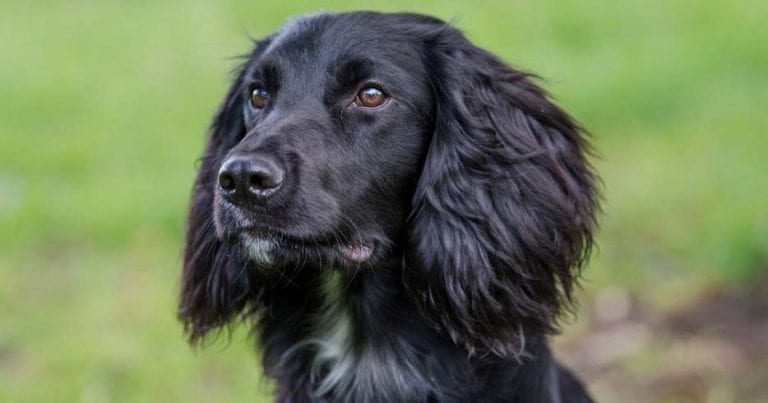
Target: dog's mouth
[357, 252]
[269, 247]
[272, 244]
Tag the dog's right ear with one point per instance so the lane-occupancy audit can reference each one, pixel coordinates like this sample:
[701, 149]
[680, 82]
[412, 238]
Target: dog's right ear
[218, 283]
[504, 211]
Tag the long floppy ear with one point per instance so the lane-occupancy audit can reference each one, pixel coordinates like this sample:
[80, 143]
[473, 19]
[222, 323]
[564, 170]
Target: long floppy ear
[503, 212]
[218, 282]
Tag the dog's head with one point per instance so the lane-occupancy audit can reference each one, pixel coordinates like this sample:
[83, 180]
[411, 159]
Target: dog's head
[326, 129]
[348, 139]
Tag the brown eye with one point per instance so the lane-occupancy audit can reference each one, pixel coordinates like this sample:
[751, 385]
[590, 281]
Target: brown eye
[259, 97]
[370, 97]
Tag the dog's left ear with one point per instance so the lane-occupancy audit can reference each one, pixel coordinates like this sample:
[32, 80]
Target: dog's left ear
[503, 212]
[218, 283]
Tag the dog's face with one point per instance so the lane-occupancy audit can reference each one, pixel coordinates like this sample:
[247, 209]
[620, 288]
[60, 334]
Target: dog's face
[349, 138]
[336, 122]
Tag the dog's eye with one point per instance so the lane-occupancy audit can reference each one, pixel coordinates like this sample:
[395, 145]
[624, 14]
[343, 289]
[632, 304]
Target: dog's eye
[370, 97]
[259, 97]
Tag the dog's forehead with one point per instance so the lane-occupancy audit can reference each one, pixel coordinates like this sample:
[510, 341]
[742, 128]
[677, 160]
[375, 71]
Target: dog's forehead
[297, 31]
[324, 38]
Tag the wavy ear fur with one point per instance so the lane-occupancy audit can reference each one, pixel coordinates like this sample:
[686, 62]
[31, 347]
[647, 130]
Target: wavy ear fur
[503, 212]
[217, 281]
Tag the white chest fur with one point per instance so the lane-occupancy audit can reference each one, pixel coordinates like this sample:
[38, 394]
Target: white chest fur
[356, 370]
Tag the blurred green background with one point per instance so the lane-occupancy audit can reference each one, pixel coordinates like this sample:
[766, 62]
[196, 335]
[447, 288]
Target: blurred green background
[103, 112]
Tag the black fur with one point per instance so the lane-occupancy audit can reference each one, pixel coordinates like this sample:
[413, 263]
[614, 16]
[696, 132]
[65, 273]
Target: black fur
[470, 184]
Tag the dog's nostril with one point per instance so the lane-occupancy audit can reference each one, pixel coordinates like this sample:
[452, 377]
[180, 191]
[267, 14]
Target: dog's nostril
[227, 182]
[263, 181]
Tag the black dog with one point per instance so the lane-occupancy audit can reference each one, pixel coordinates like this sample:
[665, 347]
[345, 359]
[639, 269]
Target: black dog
[400, 214]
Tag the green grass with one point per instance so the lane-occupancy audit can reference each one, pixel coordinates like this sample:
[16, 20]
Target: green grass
[103, 110]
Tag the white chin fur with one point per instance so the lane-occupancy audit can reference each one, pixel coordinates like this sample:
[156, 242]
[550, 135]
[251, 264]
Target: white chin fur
[260, 250]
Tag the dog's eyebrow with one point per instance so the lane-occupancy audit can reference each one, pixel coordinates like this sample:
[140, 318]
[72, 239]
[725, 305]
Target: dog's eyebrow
[267, 71]
[270, 72]
[351, 71]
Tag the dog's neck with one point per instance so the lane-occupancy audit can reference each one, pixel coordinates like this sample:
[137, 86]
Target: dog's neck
[356, 336]
[360, 353]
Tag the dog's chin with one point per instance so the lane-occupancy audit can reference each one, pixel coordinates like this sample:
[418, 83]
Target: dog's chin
[277, 246]
[277, 250]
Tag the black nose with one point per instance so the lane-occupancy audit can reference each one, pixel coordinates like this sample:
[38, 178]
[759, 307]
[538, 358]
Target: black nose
[244, 180]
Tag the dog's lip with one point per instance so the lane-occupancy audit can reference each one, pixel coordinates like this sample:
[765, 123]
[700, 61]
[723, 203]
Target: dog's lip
[354, 250]
[282, 237]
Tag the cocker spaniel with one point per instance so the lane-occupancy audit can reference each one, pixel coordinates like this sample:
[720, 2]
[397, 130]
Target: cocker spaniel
[400, 215]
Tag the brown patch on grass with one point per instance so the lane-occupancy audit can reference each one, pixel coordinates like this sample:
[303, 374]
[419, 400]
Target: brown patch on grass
[711, 348]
